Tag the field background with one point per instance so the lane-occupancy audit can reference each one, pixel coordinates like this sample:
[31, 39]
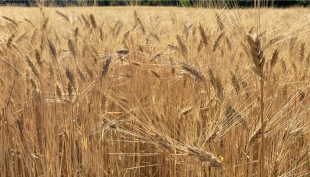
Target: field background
[152, 91]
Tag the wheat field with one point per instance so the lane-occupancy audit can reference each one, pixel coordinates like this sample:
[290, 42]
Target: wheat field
[154, 91]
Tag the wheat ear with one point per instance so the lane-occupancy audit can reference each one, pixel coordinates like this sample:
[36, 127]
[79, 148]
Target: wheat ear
[259, 61]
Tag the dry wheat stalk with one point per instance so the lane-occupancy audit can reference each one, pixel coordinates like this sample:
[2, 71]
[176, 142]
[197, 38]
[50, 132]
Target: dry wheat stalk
[156, 56]
[274, 40]
[217, 40]
[76, 32]
[38, 58]
[88, 70]
[173, 47]
[10, 20]
[245, 49]
[95, 55]
[182, 47]
[205, 157]
[33, 36]
[172, 65]
[80, 73]
[302, 51]
[51, 70]
[274, 58]
[235, 82]
[140, 24]
[32, 67]
[21, 37]
[203, 35]
[117, 28]
[44, 25]
[52, 48]
[199, 46]
[219, 21]
[155, 74]
[71, 47]
[212, 78]
[105, 67]
[93, 20]
[29, 21]
[33, 83]
[195, 72]
[10, 40]
[70, 76]
[256, 136]
[219, 88]
[276, 168]
[63, 16]
[212, 137]
[125, 36]
[306, 67]
[228, 43]
[155, 36]
[259, 61]
[256, 52]
[294, 68]
[87, 24]
[58, 90]
[292, 44]
[284, 69]
[69, 89]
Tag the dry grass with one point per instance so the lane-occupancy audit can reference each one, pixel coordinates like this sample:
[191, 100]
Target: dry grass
[141, 91]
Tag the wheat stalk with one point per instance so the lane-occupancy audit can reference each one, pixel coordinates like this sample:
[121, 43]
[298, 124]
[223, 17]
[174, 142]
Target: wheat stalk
[44, 25]
[302, 51]
[93, 20]
[203, 35]
[216, 42]
[259, 61]
[182, 47]
[9, 42]
[32, 67]
[71, 47]
[80, 73]
[63, 16]
[195, 72]
[105, 67]
[235, 82]
[86, 22]
[274, 58]
[10, 20]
